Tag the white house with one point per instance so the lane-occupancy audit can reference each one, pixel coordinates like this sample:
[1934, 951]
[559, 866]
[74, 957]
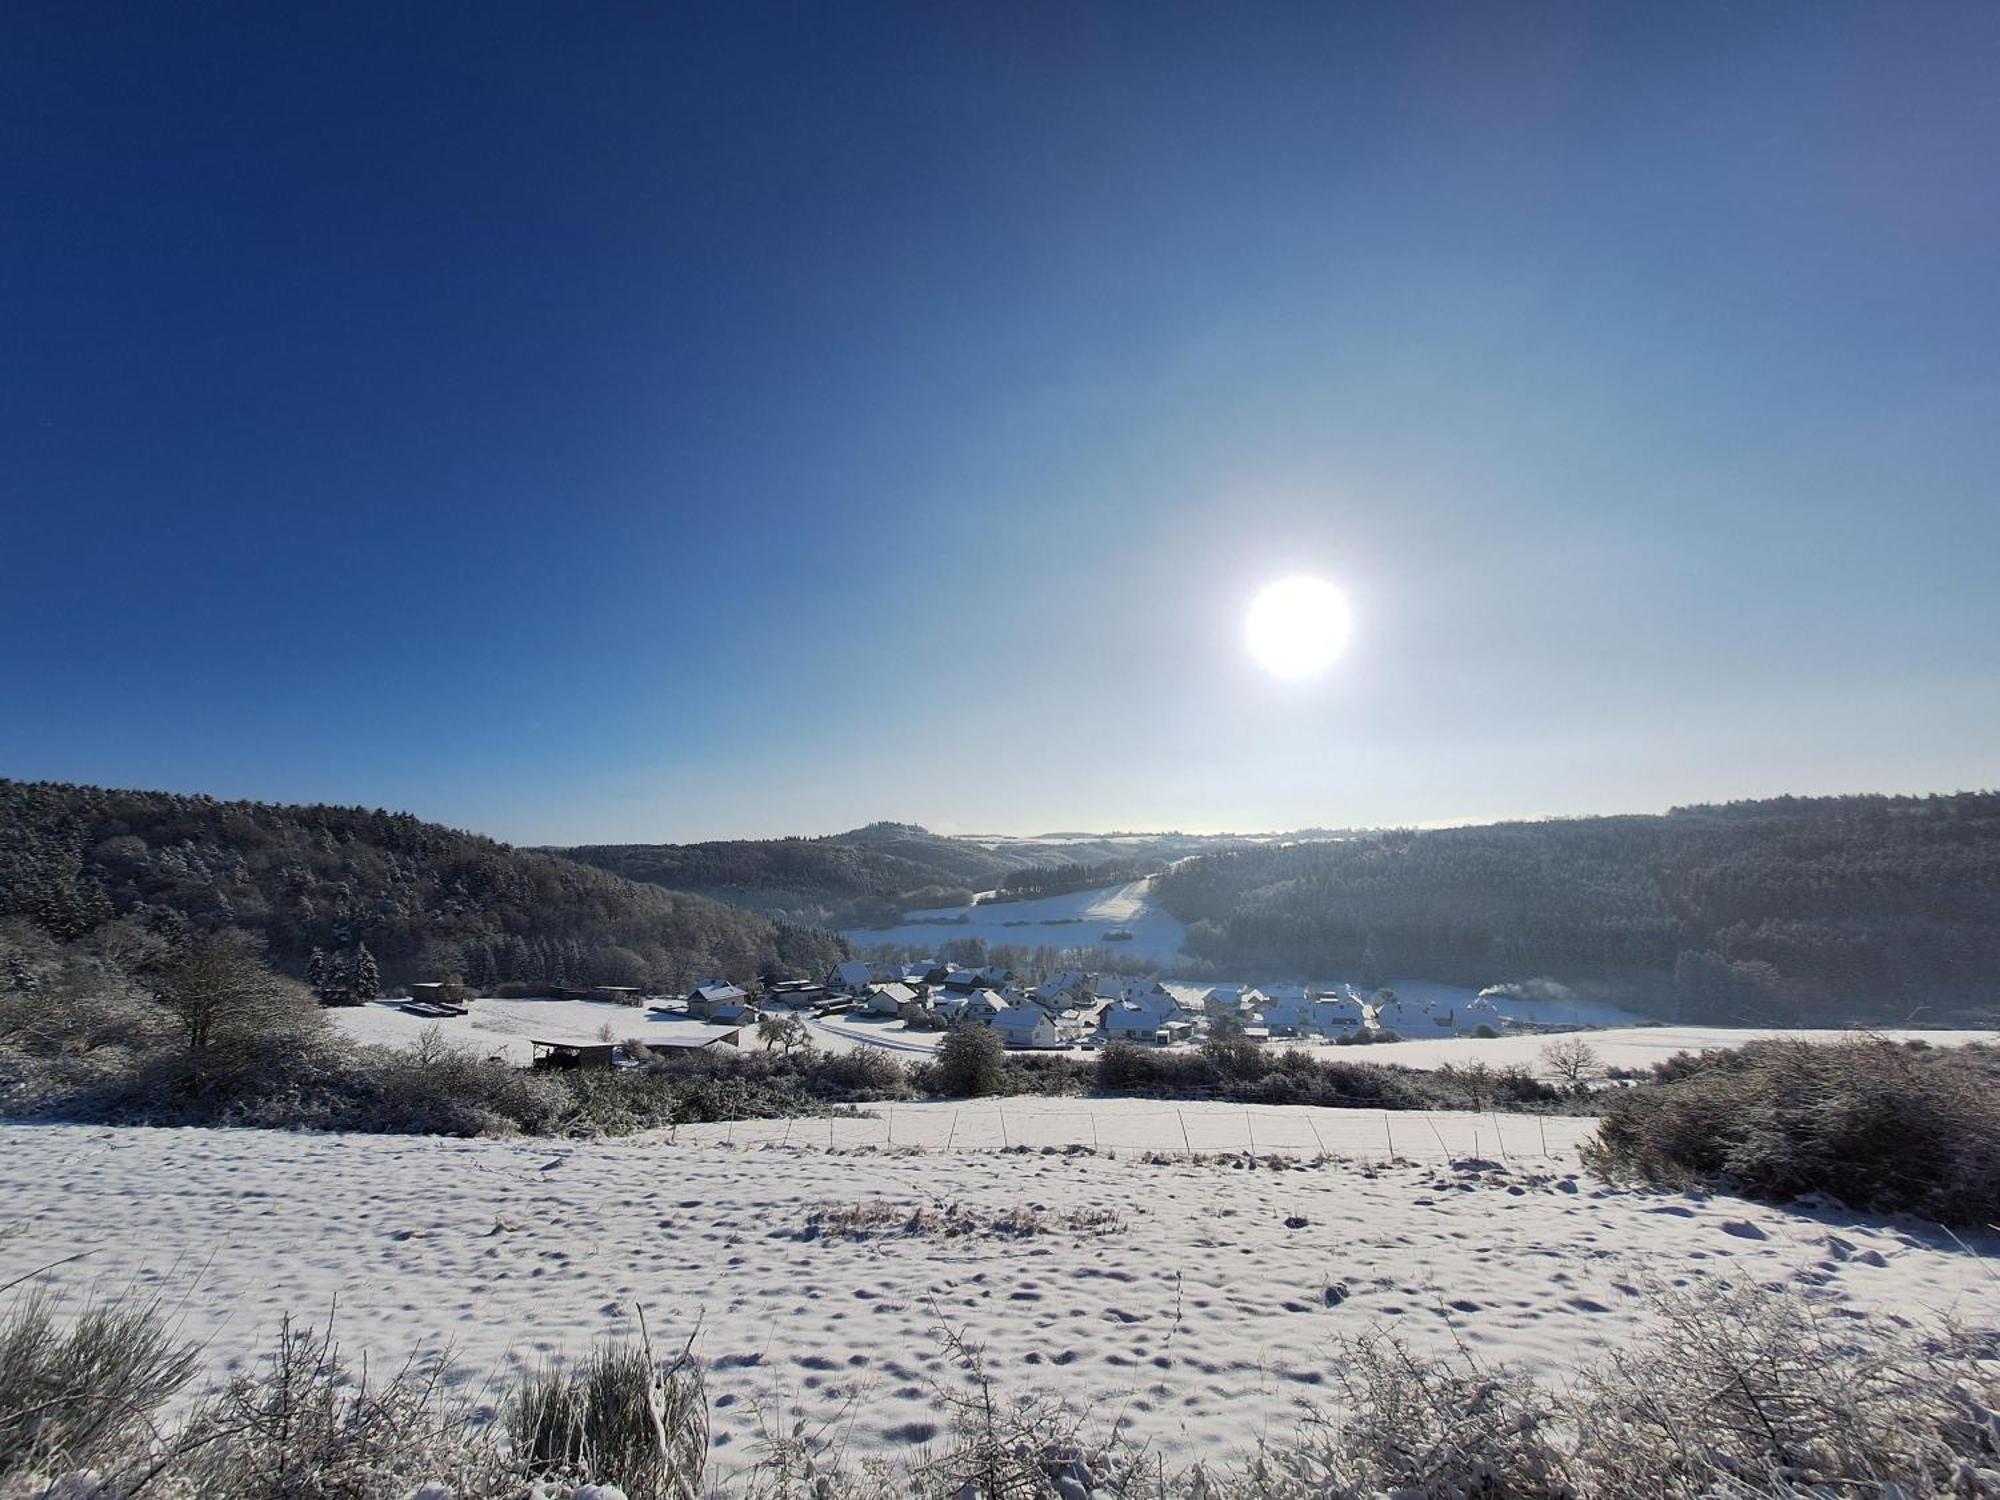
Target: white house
[888, 999]
[1026, 1026]
[1065, 987]
[1133, 1021]
[1144, 990]
[1291, 1015]
[850, 977]
[981, 1006]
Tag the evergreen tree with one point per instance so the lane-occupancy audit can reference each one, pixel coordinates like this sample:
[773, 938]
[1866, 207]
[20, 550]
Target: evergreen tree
[316, 972]
[364, 979]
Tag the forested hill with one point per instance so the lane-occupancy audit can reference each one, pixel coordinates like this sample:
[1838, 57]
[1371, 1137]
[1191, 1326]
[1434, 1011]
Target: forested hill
[869, 874]
[427, 901]
[1791, 909]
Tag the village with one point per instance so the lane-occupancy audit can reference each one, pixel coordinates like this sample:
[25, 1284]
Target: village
[909, 1006]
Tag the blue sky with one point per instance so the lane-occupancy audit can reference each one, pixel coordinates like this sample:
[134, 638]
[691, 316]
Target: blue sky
[635, 422]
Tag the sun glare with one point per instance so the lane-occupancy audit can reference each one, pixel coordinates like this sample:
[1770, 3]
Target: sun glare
[1297, 626]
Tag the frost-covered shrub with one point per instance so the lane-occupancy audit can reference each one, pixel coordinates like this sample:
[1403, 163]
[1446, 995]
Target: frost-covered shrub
[971, 1063]
[615, 1417]
[1872, 1124]
[1747, 1392]
[74, 1398]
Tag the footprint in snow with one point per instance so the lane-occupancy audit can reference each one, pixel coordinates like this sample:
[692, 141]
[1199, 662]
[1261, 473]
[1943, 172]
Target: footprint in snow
[1743, 1229]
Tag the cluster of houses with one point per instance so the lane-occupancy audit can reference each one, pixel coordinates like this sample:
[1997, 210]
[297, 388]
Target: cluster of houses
[1071, 1007]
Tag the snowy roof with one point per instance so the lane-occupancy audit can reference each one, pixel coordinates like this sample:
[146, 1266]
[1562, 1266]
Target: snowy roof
[690, 1036]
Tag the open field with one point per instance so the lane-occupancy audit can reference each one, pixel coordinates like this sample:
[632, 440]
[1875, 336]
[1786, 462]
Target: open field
[502, 1029]
[1078, 919]
[1616, 1047]
[1190, 1302]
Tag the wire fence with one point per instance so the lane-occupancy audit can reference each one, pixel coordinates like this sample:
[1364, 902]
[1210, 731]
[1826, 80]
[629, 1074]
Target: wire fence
[1193, 1129]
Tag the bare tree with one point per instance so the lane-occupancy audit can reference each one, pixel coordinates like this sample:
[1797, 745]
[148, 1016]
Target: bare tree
[229, 1003]
[1571, 1059]
[784, 1033]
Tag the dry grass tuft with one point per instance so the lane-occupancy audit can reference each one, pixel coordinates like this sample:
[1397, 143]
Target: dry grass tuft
[880, 1219]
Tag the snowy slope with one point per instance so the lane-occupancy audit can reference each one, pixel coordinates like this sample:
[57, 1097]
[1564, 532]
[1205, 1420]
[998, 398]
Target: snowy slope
[1080, 918]
[1196, 1319]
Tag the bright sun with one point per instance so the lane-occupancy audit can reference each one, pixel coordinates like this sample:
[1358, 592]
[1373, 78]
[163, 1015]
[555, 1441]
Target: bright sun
[1297, 626]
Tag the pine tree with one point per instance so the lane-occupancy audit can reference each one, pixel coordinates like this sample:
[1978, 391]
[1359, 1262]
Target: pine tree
[364, 979]
[316, 972]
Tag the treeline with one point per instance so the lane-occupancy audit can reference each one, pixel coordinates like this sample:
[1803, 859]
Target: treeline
[849, 879]
[1060, 880]
[426, 902]
[1792, 909]
[869, 876]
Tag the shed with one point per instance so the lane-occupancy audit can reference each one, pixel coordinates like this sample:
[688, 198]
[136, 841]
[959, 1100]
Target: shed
[574, 1054]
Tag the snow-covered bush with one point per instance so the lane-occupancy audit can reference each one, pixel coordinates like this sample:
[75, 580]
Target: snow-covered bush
[72, 1399]
[616, 1416]
[1871, 1123]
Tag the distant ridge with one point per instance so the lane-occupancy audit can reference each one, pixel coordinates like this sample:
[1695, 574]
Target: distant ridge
[428, 901]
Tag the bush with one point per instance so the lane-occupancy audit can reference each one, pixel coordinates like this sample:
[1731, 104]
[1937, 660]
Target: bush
[617, 1418]
[71, 1399]
[1874, 1125]
[971, 1063]
[1125, 1066]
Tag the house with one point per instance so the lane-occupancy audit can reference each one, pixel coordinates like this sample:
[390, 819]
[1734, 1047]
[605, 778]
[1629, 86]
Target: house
[1338, 1015]
[1129, 1021]
[1026, 1026]
[1065, 987]
[850, 977]
[438, 999]
[617, 994]
[981, 1006]
[988, 978]
[1141, 990]
[888, 999]
[711, 995]
[794, 992]
[737, 1013]
[1291, 1015]
[1241, 1001]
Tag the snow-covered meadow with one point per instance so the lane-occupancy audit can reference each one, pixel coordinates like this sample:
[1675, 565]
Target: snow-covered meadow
[1190, 1302]
[1077, 919]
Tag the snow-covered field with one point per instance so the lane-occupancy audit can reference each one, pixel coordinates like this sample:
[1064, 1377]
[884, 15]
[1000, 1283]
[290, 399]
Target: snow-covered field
[502, 1029]
[1618, 1047]
[1079, 919]
[1195, 1320]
